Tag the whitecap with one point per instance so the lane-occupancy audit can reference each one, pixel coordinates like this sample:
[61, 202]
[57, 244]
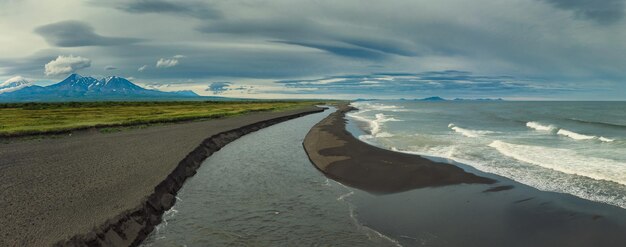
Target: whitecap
[540, 127]
[604, 139]
[567, 133]
[375, 125]
[469, 132]
[574, 135]
[364, 107]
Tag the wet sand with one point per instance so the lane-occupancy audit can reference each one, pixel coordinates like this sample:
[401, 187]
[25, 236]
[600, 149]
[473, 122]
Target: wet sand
[420, 204]
[52, 189]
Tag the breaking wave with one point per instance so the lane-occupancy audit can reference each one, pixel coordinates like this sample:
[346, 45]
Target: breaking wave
[469, 132]
[375, 125]
[364, 107]
[564, 160]
[567, 133]
[540, 127]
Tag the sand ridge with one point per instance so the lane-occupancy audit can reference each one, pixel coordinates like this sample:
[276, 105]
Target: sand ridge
[341, 156]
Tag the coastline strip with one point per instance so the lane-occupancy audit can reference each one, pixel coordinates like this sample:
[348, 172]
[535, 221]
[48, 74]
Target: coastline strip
[342, 157]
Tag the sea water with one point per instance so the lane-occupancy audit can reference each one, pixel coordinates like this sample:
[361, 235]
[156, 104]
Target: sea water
[577, 148]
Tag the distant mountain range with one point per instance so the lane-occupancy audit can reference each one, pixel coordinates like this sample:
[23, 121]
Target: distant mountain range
[84, 88]
[437, 98]
[434, 98]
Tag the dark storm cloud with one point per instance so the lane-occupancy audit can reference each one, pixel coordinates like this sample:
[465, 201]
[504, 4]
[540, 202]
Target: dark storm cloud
[358, 40]
[76, 33]
[275, 26]
[310, 33]
[218, 87]
[193, 9]
[603, 11]
[456, 75]
[384, 46]
[340, 50]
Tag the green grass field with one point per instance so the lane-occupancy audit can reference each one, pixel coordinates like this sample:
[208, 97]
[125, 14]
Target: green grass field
[42, 118]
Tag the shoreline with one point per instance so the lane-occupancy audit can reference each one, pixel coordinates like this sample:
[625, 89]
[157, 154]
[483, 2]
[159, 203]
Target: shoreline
[339, 155]
[502, 213]
[129, 226]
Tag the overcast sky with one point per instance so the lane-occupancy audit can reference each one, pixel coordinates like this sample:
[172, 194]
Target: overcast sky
[514, 49]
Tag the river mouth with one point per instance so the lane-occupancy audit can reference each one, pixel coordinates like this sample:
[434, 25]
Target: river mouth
[262, 190]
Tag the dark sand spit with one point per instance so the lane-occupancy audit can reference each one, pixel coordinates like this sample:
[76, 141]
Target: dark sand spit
[341, 156]
[107, 189]
[424, 203]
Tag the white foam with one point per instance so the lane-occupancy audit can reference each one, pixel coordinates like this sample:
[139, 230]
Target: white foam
[359, 117]
[384, 135]
[469, 132]
[604, 139]
[540, 127]
[574, 135]
[520, 171]
[366, 138]
[567, 133]
[375, 125]
[365, 107]
[342, 197]
[565, 160]
[371, 233]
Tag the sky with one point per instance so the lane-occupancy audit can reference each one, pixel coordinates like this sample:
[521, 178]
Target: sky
[511, 49]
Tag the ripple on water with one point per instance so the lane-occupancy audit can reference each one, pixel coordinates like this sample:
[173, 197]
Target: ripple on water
[261, 190]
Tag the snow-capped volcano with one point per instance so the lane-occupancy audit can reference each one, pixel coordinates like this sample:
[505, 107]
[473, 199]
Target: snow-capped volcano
[13, 84]
[89, 85]
[77, 87]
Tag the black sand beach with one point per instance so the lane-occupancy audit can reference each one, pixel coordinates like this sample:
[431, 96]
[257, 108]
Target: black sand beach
[420, 202]
[341, 156]
[106, 188]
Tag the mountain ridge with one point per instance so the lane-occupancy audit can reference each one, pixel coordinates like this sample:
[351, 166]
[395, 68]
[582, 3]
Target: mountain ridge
[79, 88]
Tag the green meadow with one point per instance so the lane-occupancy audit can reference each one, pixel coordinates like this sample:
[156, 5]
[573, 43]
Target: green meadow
[42, 118]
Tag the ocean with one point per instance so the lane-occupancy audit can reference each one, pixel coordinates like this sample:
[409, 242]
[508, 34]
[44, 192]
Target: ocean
[578, 148]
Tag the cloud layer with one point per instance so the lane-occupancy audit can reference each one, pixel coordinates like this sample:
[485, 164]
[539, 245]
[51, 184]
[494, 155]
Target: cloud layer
[603, 12]
[449, 83]
[166, 63]
[76, 33]
[66, 64]
[573, 47]
[195, 9]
